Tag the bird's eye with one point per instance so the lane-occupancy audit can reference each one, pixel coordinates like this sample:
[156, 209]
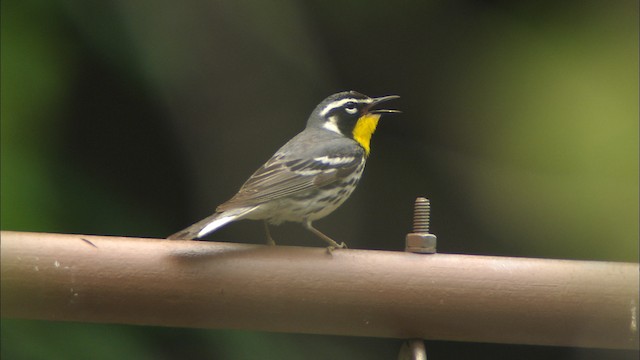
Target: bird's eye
[350, 108]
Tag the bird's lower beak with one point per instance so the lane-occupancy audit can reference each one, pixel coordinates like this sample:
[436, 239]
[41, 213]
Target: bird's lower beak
[376, 101]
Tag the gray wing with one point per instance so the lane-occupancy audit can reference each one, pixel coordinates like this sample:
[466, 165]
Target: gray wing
[280, 177]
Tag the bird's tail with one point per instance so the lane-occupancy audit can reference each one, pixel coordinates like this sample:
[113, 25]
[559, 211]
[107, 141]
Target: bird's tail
[210, 224]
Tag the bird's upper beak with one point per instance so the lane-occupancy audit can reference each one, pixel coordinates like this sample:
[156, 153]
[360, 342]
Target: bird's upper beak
[370, 108]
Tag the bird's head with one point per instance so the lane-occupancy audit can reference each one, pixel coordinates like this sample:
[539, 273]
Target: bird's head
[350, 114]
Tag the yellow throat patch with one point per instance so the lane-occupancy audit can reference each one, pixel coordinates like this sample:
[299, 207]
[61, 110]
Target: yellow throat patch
[363, 130]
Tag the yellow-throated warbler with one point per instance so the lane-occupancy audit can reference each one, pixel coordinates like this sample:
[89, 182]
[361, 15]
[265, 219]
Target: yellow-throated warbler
[311, 175]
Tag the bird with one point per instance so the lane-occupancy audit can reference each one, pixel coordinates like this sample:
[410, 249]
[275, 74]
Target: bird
[311, 175]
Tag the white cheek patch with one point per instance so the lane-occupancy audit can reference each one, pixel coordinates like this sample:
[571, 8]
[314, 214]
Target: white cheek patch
[332, 124]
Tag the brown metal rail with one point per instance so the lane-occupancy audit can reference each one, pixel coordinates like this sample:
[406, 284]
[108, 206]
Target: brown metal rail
[309, 290]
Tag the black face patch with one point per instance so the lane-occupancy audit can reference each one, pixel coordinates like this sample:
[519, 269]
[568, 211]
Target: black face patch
[346, 123]
[346, 116]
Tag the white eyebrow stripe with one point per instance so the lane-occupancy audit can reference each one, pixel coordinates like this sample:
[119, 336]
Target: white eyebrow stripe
[341, 102]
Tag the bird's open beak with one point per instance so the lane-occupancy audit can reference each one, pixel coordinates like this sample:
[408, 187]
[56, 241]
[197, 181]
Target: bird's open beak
[370, 109]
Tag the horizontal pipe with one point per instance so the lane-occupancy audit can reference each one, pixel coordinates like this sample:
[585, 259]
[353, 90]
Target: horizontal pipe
[309, 290]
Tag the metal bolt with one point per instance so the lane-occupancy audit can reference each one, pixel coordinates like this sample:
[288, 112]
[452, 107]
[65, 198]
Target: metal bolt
[421, 214]
[423, 242]
[420, 240]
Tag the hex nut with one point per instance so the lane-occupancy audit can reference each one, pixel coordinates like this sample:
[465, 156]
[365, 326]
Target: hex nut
[423, 243]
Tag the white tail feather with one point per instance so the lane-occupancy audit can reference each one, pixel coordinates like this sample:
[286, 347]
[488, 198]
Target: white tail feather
[215, 224]
[211, 223]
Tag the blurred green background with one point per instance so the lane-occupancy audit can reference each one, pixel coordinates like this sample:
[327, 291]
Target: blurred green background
[520, 123]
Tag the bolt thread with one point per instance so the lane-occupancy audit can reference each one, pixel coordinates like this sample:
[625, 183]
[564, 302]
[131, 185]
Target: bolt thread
[421, 214]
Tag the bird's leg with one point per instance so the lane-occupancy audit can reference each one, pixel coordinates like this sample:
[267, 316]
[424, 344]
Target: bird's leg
[270, 240]
[332, 244]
